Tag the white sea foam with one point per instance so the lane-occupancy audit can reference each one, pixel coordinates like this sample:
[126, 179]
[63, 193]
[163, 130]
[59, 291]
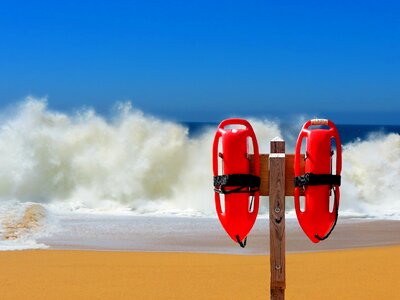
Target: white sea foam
[22, 223]
[134, 162]
[371, 172]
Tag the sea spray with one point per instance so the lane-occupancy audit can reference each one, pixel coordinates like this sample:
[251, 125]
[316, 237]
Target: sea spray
[371, 172]
[136, 162]
[51, 157]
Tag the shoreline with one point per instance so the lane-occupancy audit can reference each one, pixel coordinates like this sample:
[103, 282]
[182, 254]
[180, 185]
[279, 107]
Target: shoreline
[206, 235]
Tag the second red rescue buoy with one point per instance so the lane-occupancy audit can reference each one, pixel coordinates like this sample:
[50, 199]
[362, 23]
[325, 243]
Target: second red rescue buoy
[318, 216]
[234, 184]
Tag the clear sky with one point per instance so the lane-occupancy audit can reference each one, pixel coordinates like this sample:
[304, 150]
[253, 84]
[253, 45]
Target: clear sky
[206, 60]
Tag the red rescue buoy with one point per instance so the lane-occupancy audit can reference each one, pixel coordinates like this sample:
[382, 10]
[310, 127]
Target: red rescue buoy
[318, 216]
[237, 185]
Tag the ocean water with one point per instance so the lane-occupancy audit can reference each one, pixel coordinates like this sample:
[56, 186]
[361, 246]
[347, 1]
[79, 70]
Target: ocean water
[56, 166]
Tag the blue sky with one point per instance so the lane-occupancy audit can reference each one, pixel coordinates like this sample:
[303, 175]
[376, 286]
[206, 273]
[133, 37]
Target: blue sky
[206, 60]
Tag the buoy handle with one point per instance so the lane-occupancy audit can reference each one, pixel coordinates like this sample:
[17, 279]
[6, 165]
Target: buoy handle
[319, 122]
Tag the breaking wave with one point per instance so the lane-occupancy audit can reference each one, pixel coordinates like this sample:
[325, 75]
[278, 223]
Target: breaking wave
[139, 163]
[371, 170]
[132, 161]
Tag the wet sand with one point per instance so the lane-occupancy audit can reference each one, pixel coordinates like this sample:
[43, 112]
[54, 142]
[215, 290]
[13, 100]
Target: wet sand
[206, 235]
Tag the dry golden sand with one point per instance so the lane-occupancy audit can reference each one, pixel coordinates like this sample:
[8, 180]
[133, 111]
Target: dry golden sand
[369, 273]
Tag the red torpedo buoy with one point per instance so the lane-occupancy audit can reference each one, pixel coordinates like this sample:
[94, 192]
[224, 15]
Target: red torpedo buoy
[236, 186]
[318, 216]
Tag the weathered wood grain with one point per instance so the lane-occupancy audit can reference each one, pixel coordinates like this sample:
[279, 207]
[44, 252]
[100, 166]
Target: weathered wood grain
[277, 219]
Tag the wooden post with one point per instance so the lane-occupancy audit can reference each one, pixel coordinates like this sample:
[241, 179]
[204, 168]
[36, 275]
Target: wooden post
[277, 218]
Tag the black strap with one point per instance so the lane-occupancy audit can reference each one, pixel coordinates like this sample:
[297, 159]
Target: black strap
[317, 179]
[241, 243]
[245, 183]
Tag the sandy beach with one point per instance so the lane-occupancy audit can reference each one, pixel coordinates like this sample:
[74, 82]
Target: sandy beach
[369, 273]
[361, 260]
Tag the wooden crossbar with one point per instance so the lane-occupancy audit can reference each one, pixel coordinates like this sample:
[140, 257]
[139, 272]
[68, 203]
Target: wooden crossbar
[289, 173]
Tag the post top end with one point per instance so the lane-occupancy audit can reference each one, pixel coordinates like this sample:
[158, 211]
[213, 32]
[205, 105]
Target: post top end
[277, 139]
